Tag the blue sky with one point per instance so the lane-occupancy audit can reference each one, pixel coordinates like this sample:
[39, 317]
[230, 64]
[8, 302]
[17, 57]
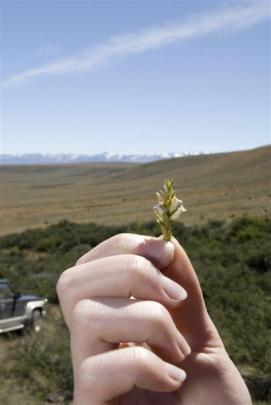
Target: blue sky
[134, 76]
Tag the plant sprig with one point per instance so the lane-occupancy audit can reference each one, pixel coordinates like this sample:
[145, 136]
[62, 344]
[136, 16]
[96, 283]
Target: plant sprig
[168, 209]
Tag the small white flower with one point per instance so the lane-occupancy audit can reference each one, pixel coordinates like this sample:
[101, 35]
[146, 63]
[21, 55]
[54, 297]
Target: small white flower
[168, 209]
[176, 208]
[159, 208]
[178, 212]
[176, 203]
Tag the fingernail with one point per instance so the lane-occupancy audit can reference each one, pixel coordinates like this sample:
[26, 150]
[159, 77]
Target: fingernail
[175, 373]
[173, 290]
[183, 345]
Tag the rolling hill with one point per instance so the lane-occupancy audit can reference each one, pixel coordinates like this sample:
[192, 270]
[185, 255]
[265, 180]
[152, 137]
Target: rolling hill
[218, 186]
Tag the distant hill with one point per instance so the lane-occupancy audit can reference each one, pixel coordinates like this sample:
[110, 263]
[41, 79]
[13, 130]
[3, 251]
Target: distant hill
[223, 185]
[64, 158]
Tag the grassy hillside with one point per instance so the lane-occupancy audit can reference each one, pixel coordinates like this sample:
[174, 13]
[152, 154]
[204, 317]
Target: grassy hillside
[233, 262]
[217, 186]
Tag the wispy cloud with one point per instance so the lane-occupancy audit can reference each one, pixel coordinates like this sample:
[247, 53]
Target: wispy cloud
[227, 19]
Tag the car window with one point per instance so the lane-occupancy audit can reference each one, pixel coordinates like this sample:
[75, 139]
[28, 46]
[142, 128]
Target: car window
[5, 292]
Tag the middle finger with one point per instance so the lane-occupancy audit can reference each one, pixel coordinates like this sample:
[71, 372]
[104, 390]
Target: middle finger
[117, 276]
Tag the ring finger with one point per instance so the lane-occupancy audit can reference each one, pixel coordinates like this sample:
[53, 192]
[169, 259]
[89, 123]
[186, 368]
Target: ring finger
[102, 324]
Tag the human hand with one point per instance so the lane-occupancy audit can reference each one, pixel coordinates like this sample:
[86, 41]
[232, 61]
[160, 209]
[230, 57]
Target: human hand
[172, 339]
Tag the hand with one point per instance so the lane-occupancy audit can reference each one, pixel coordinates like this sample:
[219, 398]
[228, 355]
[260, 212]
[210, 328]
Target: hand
[159, 348]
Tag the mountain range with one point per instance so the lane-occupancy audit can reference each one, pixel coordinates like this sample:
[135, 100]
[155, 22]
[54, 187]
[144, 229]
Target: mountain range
[64, 158]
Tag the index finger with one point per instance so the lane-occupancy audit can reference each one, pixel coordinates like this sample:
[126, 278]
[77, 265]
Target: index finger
[157, 250]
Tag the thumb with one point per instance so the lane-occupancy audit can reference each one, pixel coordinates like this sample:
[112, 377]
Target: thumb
[191, 316]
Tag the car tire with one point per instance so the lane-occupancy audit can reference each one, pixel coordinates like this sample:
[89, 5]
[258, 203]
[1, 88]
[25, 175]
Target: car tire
[36, 320]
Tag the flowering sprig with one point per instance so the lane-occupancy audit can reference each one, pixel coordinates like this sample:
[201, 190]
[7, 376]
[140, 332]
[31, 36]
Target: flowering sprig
[168, 209]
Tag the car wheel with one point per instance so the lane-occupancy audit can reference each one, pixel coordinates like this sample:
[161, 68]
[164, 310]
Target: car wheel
[36, 320]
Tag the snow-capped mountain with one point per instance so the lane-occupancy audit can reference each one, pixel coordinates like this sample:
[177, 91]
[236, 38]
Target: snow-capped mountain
[61, 158]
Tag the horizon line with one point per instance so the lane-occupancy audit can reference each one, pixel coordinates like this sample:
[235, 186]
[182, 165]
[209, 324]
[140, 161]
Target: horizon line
[198, 151]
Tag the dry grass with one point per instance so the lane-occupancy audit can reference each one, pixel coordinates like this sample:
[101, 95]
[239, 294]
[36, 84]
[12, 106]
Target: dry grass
[20, 391]
[212, 186]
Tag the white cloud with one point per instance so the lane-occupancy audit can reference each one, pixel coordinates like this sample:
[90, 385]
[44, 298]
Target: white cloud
[227, 19]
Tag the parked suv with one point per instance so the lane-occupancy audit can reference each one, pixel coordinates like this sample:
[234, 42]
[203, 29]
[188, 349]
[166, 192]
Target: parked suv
[18, 311]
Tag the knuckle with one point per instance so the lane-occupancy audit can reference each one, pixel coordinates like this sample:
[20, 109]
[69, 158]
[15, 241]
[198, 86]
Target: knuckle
[85, 314]
[64, 283]
[159, 315]
[140, 355]
[138, 266]
[120, 238]
[80, 260]
[86, 371]
[140, 359]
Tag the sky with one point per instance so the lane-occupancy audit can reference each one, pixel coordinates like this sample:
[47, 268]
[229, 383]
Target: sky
[134, 76]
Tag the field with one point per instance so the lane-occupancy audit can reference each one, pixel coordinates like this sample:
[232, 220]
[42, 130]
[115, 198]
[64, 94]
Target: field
[50, 215]
[218, 186]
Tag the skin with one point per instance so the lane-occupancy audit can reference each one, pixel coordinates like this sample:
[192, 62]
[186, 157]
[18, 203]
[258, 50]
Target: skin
[140, 332]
